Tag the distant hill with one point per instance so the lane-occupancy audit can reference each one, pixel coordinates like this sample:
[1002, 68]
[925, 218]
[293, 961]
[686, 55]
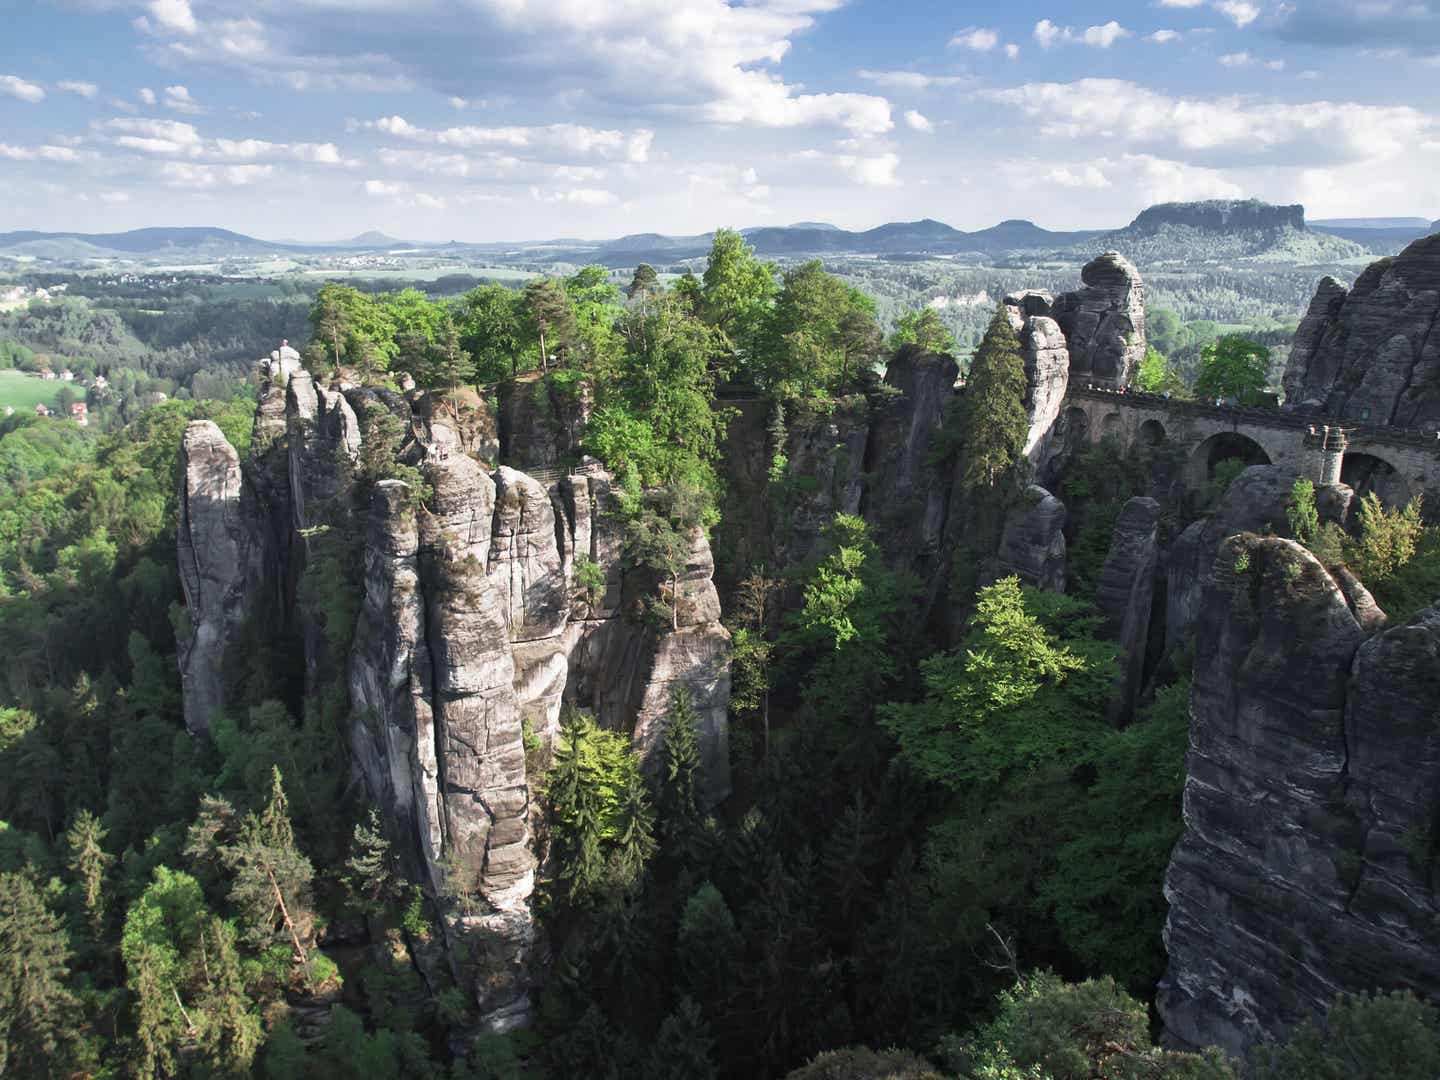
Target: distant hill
[143, 241]
[1370, 223]
[896, 238]
[373, 238]
[1212, 229]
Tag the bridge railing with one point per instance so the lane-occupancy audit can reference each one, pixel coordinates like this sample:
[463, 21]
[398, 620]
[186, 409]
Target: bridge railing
[1260, 415]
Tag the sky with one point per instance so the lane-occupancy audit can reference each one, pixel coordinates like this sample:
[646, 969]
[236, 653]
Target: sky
[495, 120]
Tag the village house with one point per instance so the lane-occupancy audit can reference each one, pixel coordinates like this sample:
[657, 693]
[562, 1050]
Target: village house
[80, 413]
[42, 410]
[67, 375]
[47, 374]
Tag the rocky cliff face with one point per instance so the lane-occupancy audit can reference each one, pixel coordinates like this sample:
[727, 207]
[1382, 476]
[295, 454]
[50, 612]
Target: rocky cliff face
[1104, 322]
[1046, 354]
[1372, 354]
[1306, 867]
[218, 565]
[1125, 595]
[1032, 545]
[470, 630]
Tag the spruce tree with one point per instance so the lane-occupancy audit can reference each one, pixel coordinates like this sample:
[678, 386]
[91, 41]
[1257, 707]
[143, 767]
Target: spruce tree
[368, 876]
[575, 813]
[995, 421]
[229, 1031]
[89, 862]
[36, 1009]
[683, 1046]
[635, 843]
[680, 783]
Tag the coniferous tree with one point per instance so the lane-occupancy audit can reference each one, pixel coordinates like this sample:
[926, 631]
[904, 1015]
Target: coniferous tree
[680, 781]
[36, 1008]
[635, 844]
[369, 875]
[554, 320]
[995, 422]
[644, 285]
[229, 1031]
[89, 862]
[575, 813]
[683, 1047]
[452, 364]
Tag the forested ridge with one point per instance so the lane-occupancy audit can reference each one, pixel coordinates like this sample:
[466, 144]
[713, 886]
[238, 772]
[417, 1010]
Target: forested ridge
[942, 856]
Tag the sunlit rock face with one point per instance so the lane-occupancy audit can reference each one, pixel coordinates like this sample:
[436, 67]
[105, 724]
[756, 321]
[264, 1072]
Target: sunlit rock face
[469, 633]
[1371, 354]
[1104, 322]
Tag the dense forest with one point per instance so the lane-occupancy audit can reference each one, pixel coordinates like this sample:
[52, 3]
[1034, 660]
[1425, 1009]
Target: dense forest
[942, 857]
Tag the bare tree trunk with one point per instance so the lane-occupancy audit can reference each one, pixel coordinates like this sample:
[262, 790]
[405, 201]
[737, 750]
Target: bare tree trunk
[285, 914]
[188, 1022]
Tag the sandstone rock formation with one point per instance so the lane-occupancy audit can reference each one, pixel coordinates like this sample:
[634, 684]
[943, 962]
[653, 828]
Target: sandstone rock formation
[1372, 354]
[469, 630]
[1047, 375]
[541, 421]
[1125, 595]
[1254, 502]
[1104, 322]
[901, 496]
[1032, 545]
[217, 566]
[1306, 867]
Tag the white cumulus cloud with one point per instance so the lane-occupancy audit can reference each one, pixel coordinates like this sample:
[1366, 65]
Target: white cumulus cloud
[17, 87]
[979, 38]
[173, 15]
[1241, 12]
[918, 121]
[1048, 34]
[84, 89]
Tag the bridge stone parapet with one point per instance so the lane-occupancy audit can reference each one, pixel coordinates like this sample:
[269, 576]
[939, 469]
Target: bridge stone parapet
[1397, 463]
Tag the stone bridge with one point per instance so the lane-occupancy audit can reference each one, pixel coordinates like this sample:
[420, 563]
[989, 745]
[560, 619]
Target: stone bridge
[1396, 463]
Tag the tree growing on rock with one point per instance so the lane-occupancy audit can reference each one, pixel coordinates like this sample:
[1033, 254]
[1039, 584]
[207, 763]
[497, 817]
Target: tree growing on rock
[1233, 367]
[924, 330]
[554, 320]
[994, 419]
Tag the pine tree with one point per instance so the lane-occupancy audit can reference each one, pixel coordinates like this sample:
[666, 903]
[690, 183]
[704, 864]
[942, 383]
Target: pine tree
[89, 862]
[684, 1047]
[453, 364]
[644, 284]
[995, 421]
[549, 307]
[36, 1009]
[680, 782]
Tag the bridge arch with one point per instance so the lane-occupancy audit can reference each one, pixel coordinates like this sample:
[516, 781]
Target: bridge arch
[1367, 472]
[1152, 433]
[1223, 445]
[1110, 426]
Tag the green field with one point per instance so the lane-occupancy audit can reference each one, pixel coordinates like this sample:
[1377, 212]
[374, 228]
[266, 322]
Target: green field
[23, 392]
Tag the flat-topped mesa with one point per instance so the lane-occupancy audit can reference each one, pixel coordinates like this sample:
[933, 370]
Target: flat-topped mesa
[1104, 322]
[1220, 214]
[1371, 354]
